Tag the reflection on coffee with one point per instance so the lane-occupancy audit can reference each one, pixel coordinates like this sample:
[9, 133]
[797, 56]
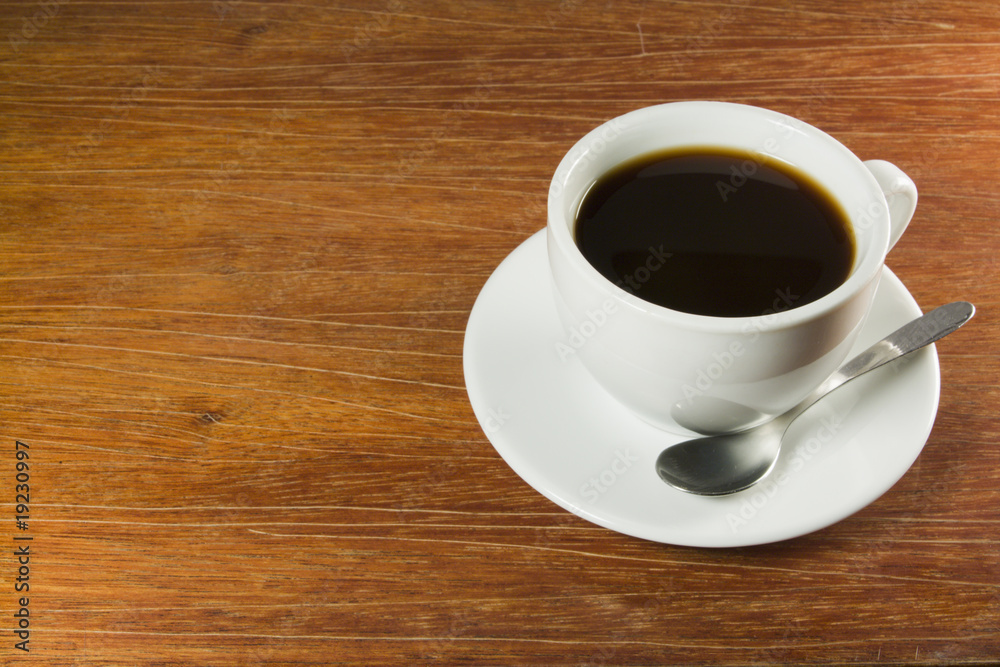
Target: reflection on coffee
[715, 232]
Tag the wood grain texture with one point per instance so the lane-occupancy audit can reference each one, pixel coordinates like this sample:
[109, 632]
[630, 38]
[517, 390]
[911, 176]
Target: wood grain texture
[239, 243]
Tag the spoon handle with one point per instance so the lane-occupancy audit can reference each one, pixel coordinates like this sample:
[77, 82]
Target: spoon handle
[911, 337]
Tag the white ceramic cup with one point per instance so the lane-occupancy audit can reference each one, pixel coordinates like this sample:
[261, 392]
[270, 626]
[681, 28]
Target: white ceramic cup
[698, 374]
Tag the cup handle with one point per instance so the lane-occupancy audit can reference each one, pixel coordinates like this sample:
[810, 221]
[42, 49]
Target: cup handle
[900, 194]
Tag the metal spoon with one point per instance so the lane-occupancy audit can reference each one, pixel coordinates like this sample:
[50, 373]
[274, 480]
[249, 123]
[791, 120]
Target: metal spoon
[722, 464]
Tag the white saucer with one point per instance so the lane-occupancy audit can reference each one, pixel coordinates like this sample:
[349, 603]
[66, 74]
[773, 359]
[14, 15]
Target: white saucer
[575, 444]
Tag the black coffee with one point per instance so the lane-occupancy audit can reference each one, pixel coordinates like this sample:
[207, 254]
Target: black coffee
[714, 232]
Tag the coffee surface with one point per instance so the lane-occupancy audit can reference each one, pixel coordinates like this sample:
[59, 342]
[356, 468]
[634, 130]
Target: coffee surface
[714, 232]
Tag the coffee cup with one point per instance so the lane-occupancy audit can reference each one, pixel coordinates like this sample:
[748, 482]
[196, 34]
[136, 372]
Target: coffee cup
[688, 372]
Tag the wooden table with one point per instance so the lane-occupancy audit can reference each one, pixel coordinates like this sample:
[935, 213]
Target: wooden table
[239, 245]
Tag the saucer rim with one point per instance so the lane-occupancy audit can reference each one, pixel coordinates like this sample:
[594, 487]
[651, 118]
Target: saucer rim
[548, 486]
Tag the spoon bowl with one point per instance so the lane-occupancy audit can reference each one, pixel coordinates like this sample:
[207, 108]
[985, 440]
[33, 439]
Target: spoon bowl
[723, 464]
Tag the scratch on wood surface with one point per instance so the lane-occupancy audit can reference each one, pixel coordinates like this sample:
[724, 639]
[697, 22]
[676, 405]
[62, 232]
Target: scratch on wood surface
[232, 315]
[619, 557]
[265, 341]
[325, 399]
[234, 360]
